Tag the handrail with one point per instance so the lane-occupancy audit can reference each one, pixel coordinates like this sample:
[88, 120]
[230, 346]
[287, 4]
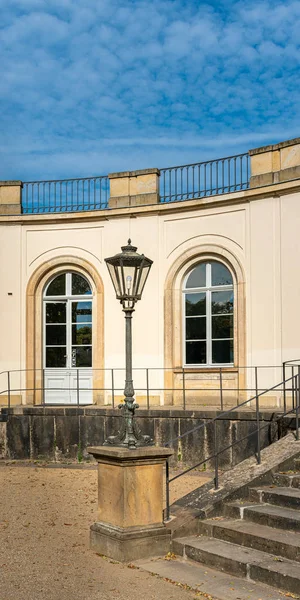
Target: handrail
[226, 412]
[295, 379]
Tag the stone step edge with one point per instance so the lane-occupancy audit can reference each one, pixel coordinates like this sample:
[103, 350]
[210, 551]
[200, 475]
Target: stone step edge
[206, 580]
[243, 506]
[211, 527]
[286, 479]
[275, 495]
[264, 568]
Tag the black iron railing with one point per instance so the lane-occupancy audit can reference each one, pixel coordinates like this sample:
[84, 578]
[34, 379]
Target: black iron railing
[288, 386]
[219, 176]
[209, 178]
[65, 195]
[226, 387]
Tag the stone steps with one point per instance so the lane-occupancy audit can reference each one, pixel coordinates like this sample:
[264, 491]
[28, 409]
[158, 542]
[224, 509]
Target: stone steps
[278, 496]
[287, 479]
[264, 514]
[256, 539]
[297, 464]
[209, 582]
[248, 563]
[251, 535]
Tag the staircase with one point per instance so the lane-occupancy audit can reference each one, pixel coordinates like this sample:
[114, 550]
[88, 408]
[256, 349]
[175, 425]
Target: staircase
[256, 539]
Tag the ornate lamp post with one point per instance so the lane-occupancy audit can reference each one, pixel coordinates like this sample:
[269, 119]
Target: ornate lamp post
[129, 271]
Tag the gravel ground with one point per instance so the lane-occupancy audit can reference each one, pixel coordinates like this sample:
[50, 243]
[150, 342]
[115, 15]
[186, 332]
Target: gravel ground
[45, 515]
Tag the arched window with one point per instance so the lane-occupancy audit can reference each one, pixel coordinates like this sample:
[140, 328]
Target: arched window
[208, 315]
[68, 322]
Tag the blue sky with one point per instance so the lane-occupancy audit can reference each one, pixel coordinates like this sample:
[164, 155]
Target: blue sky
[94, 86]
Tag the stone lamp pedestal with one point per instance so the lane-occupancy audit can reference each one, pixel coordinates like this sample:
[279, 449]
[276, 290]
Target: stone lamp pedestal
[130, 503]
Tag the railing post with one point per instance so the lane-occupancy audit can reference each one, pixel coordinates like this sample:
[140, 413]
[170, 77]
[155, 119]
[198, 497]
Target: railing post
[8, 388]
[293, 388]
[112, 388]
[183, 388]
[297, 404]
[167, 491]
[221, 389]
[43, 386]
[34, 386]
[284, 388]
[257, 417]
[216, 456]
[77, 386]
[147, 385]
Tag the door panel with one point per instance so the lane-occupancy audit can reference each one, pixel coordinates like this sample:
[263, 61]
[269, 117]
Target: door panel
[85, 385]
[56, 382]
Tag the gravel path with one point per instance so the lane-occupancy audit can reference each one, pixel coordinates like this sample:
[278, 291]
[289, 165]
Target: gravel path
[45, 514]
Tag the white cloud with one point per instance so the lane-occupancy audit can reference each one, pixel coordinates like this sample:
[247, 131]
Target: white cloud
[111, 85]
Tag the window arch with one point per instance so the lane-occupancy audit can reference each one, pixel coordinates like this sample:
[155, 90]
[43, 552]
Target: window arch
[208, 309]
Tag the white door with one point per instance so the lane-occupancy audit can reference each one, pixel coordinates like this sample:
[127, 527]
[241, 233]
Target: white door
[68, 377]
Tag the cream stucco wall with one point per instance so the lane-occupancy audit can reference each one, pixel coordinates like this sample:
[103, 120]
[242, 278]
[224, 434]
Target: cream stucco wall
[259, 229]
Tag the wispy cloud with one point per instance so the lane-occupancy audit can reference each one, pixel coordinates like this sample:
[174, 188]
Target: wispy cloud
[90, 87]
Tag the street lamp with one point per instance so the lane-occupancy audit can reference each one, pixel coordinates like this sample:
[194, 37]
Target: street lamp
[129, 271]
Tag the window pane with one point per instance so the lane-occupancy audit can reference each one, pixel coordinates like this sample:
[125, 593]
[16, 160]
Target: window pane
[197, 278]
[56, 357]
[222, 326]
[81, 312]
[81, 334]
[55, 335]
[55, 312]
[82, 356]
[196, 328]
[195, 353]
[222, 302]
[57, 287]
[80, 285]
[220, 274]
[195, 304]
[222, 352]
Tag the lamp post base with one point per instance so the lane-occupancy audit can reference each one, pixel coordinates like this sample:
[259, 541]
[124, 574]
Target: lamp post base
[130, 435]
[130, 503]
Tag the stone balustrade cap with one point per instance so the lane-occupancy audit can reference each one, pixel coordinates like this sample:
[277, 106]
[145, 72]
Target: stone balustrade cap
[12, 182]
[125, 454]
[273, 147]
[134, 173]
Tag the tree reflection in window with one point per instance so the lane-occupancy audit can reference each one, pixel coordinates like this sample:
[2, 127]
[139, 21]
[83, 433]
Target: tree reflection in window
[209, 315]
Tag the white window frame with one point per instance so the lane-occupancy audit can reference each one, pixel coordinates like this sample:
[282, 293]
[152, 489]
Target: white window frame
[208, 291]
[68, 298]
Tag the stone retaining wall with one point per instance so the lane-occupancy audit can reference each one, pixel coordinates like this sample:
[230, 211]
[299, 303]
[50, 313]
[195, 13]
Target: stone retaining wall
[62, 433]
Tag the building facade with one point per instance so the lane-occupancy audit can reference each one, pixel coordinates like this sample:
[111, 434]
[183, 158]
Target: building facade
[222, 296]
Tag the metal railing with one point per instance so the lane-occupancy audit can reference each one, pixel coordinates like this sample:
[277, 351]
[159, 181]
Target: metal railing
[65, 195]
[287, 385]
[209, 178]
[185, 182]
[223, 388]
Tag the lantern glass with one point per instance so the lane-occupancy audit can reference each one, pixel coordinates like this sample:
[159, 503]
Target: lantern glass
[114, 273]
[129, 271]
[128, 277]
[142, 274]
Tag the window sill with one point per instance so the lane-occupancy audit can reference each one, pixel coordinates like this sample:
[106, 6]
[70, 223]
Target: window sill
[206, 369]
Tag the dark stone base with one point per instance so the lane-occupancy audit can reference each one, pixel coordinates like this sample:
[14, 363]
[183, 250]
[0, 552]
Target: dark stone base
[129, 544]
[39, 432]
